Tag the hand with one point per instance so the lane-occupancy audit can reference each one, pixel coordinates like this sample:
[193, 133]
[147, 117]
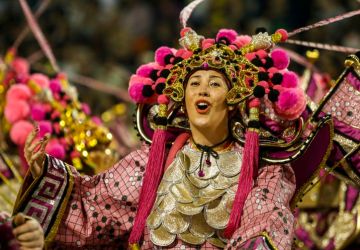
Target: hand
[28, 232]
[35, 152]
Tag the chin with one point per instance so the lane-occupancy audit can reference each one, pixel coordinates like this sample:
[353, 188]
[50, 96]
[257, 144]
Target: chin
[203, 123]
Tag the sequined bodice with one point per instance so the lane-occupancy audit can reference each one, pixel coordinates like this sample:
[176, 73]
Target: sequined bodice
[191, 207]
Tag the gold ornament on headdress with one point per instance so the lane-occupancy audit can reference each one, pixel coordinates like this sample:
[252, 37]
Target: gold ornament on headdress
[237, 68]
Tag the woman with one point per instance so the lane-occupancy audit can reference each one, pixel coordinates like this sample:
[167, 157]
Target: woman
[207, 191]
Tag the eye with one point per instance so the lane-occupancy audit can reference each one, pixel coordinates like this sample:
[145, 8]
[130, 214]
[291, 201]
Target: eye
[215, 84]
[194, 83]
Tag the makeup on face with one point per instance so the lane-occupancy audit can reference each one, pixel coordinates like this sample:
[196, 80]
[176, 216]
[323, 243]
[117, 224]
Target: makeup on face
[205, 98]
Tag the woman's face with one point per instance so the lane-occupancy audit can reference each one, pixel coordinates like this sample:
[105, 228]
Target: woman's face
[205, 100]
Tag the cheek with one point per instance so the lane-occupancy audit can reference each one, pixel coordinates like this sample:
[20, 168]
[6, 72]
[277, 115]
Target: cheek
[220, 98]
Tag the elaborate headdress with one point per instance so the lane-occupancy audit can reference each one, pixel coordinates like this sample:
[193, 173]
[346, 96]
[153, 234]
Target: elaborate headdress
[260, 85]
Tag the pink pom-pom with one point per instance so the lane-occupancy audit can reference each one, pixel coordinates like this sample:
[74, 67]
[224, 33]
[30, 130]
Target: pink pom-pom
[250, 56]
[55, 86]
[38, 112]
[18, 92]
[265, 84]
[85, 108]
[233, 47]
[45, 128]
[206, 43]
[273, 70]
[280, 58]
[55, 114]
[283, 33]
[135, 79]
[261, 53]
[161, 53]
[96, 120]
[145, 69]
[19, 132]
[290, 80]
[278, 88]
[287, 99]
[291, 103]
[163, 99]
[159, 80]
[135, 92]
[20, 66]
[55, 149]
[57, 128]
[242, 40]
[41, 80]
[254, 103]
[16, 110]
[228, 34]
[183, 53]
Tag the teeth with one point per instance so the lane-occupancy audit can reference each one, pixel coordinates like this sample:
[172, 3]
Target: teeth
[202, 105]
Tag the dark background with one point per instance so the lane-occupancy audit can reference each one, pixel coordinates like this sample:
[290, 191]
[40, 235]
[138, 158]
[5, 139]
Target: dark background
[108, 39]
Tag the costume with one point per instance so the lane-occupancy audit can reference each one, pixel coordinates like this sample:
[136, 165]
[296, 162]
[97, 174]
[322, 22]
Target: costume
[110, 201]
[84, 211]
[193, 196]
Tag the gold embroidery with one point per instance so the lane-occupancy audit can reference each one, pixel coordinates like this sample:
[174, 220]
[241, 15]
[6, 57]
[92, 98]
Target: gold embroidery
[195, 209]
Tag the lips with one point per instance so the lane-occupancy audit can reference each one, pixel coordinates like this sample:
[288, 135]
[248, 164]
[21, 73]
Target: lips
[202, 106]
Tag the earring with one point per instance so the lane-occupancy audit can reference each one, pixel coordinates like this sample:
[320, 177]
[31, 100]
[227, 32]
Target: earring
[182, 109]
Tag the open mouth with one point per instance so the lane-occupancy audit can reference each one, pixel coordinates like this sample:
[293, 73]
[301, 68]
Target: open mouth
[202, 106]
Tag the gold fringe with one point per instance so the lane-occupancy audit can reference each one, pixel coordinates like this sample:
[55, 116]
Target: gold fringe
[269, 240]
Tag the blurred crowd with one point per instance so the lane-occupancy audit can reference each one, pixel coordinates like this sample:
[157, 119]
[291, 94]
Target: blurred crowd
[108, 39]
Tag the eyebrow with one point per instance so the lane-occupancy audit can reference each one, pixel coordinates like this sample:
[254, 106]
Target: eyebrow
[212, 76]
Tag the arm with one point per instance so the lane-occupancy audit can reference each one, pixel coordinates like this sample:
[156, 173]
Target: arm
[102, 208]
[267, 219]
[79, 210]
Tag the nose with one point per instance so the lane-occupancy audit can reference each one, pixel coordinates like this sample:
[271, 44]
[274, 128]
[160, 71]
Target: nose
[204, 93]
[204, 89]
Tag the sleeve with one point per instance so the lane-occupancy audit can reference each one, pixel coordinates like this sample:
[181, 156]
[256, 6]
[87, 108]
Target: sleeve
[267, 221]
[84, 211]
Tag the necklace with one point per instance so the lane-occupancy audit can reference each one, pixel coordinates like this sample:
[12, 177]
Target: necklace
[209, 151]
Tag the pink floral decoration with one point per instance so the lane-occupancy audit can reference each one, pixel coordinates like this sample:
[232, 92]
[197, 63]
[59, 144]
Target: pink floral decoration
[19, 132]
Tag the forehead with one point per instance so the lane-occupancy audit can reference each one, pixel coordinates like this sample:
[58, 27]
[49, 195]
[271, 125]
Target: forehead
[207, 73]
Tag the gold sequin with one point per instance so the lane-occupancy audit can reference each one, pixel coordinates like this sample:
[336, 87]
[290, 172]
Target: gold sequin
[199, 226]
[192, 239]
[175, 223]
[216, 214]
[190, 207]
[154, 220]
[161, 237]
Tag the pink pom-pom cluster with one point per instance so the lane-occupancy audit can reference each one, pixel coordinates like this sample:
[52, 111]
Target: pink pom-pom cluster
[23, 107]
[276, 82]
[149, 81]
